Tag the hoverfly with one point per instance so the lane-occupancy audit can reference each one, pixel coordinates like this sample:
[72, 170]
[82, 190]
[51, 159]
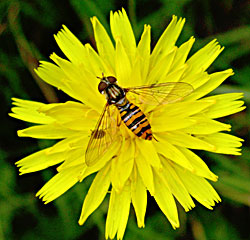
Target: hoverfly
[104, 133]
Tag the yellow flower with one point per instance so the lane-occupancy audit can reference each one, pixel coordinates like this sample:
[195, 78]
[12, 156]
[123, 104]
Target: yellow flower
[164, 166]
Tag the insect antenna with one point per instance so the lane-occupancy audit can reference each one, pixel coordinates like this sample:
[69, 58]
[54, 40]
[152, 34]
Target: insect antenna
[155, 139]
[101, 77]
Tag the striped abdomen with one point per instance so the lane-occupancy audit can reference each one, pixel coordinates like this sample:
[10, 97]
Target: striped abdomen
[135, 120]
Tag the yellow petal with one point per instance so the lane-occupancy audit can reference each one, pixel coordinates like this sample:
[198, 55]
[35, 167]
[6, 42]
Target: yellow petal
[74, 157]
[182, 53]
[82, 82]
[165, 200]
[182, 139]
[161, 124]
[49, 131]
[196, 79]
[167, 40]
[139, 197]
[103, 43]
[143, 51]
[121, 29]
[160, 70]
[98, 65]
[169, 151]
[107, 156]
[146, 174]
[54, 76]
[96, 193]
[29, 111]
[176, 186]
[176, 75]
[125, 160]
[123, 66]
[67, 143]
[70, 45]
[59, 184]
[199, 166]
[30, 116]
[182, 109]
[149, 153]
[27, 103]
[226, 104]
[135, 76]
[215, 80]
[205, 56]
[64, 111]
[205, 125]
[198, 187]
[71, 115]
[224, 143]
[39, 160]
[118, 212]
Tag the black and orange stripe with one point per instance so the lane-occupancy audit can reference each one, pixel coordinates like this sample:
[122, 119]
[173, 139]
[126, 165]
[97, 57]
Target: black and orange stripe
[135, 120]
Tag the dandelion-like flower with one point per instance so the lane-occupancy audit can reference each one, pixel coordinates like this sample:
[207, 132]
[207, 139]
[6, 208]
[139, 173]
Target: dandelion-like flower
[129, 166]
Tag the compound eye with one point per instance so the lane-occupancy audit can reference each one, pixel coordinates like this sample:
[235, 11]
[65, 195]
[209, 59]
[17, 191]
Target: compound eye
[111, 79]
[102, 86]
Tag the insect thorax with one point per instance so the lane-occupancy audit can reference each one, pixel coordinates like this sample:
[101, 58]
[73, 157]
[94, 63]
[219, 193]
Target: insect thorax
[115, 94]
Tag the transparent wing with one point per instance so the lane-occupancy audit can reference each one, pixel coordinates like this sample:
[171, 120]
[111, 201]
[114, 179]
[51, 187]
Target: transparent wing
[102, 137]
[162, 93]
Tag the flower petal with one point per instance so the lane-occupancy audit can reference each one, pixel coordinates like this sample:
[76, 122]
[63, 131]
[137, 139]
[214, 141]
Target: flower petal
[67, 143]
[96, 193]
[146, 174]
[98, 66]
[149, 153]
[199, 166]
[139, 197]
[28, 111]
[182, 139]
[59, 184]
[169, 151]
[70, 45]
[64, 111]
[143, 51]
[215, 80]
[198, 187]
[118, 212]
[205, 125]
[203, 58]
[121, 29]
[74, 157]
[136, 72]
[39, 160]
[226, 104]
[160, 70]
[54, 76]
[165, 200]
[182, 109]
[49, 131]
[182, 53]
[125, 160]
[82, 82]
[171, 123]
[104, 44]
[174, 76]
[71, 115]
[123, 65]
[176, 186]
[224, 143]
[167, 40]
[107, 156]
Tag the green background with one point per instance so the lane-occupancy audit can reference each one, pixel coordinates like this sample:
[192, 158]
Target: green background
[26, 36]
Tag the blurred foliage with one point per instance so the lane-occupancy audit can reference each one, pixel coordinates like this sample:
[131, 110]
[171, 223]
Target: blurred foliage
[26, 35]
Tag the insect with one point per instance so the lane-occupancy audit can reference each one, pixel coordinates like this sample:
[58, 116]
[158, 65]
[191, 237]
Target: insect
[106, 128]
